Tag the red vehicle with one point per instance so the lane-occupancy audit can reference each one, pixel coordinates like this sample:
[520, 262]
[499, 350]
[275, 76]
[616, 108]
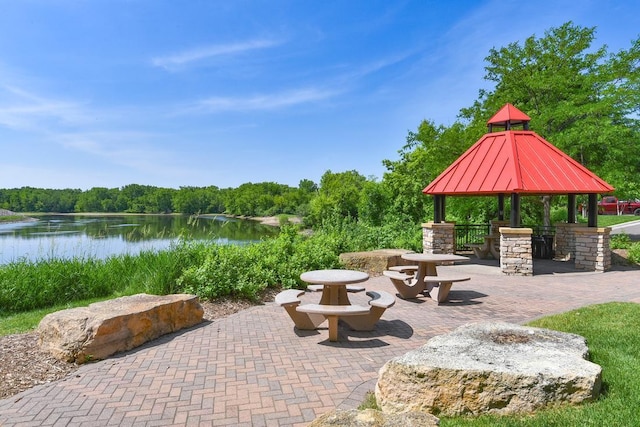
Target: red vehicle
[610, 205]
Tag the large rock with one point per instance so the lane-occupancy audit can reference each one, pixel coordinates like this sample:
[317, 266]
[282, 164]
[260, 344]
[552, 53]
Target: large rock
[104, 328]
[490, 368]
[373, 418]
[374, 262]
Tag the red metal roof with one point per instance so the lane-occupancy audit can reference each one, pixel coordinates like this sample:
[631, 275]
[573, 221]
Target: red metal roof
[508, 113]
[518, 161]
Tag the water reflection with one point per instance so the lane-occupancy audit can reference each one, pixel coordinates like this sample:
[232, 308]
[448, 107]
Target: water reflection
[62, 236]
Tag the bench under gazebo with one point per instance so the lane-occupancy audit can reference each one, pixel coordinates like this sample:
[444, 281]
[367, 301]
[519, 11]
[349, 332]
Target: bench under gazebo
[510, 162]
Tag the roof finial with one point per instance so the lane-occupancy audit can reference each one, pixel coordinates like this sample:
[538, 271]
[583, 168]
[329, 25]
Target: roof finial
[507, 117]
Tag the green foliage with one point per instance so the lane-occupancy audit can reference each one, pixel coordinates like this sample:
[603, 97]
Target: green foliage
[634, 253]
[263, 199]
[559, 213]
[267, 198]
[369, 402]
[29, 199]
[422, 158]
[339, 195]
[620, 241]
[227, 270]
[244, 271]
[351, 235]
[374, 202]
[28, 285]
[11, 218]
[579, 98]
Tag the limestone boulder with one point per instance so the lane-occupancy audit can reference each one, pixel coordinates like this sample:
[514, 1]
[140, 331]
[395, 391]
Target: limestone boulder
[373, 418]
[496, 368]
[374, 262]
[95, 332]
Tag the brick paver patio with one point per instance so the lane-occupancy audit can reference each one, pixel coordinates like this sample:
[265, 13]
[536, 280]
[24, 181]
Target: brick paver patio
[254, 369]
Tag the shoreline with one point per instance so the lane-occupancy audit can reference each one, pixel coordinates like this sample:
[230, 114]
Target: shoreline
[10, 217]
[273, 221]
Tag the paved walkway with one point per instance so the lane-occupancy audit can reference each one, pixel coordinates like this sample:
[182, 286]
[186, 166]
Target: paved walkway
[254, 369]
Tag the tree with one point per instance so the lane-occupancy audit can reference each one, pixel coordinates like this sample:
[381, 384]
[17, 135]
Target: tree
[426, 154]
[339, 194]
[581, 99]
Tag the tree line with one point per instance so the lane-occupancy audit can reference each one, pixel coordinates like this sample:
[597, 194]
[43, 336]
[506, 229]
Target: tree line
[259, 199]
[583, 99]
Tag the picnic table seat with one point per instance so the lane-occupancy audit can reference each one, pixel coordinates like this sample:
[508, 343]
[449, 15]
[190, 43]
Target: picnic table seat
[379, 302]
[404, 283]
[289, 299]
[480, 250]
[407, 269]
[483, 250]
[358, 317]
[440, 285]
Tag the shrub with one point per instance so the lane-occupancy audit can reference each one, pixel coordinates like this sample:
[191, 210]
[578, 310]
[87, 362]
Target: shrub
[620, 241]
[244, 271]
[634, 253]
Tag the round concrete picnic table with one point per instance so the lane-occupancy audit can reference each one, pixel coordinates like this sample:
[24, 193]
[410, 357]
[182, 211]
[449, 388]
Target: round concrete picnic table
[427, 263]
[334, 284]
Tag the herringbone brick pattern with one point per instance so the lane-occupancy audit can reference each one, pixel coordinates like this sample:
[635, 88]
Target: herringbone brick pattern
[254, 369]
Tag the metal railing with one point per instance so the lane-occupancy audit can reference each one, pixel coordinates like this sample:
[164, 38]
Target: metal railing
[467, 234]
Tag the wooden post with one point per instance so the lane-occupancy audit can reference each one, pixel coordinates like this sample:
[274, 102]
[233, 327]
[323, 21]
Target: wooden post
[436, 209]
[593, 211]
[515, 210]
[571, 209]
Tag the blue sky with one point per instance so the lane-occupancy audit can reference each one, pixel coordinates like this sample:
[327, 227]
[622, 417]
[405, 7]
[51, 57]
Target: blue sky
[106, 93]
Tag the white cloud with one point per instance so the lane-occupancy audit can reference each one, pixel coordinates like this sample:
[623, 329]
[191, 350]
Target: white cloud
[264, 102]
[125, 148]
[288, 98]
[193, 55]
[21, 109]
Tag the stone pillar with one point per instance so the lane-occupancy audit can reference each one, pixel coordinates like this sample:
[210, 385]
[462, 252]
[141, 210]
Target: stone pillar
[438, 238]
[496, 224]
[516, 258]
[566, 240]
[593, 250]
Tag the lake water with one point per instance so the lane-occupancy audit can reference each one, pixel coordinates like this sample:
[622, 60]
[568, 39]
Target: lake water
[68, 236]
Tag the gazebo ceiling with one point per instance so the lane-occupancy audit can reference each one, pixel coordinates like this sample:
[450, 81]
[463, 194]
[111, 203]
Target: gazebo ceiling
[515, 161]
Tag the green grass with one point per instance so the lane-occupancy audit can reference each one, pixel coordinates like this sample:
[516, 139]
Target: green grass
[609, 220]
[369, 402]
[612, 331]
[27, 321]
[11, 218]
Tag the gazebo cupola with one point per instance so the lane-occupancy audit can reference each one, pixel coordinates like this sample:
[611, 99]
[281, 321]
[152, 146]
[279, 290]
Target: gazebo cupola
[508, 117]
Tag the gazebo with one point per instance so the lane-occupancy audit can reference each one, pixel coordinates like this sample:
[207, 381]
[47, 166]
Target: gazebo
[515, 162]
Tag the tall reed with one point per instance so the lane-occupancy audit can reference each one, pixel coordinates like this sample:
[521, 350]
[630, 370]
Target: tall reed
[206, 269]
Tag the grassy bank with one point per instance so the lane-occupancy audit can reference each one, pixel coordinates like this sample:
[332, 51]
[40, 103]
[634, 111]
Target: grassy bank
[206, 269]
[613, 337]
[11, 218]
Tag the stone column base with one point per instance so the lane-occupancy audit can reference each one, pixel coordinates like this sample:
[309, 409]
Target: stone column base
[438, 238]
[516, 257]
[593, 250]
[566, 240]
